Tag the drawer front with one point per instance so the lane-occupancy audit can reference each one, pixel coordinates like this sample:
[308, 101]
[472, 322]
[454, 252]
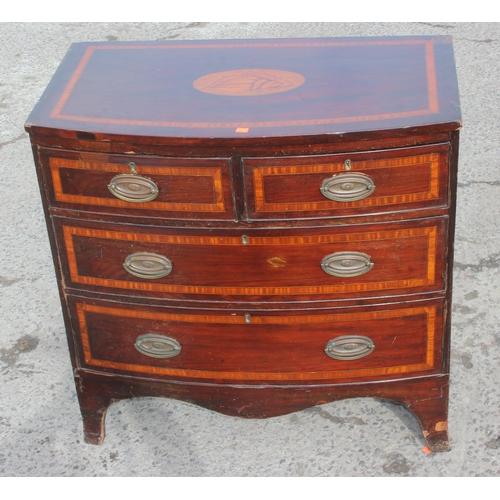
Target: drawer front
[346, 184]
[383, 341]
[177, 188]
[354, 261]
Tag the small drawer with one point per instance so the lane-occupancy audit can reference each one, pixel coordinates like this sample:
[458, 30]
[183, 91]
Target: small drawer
[346, 184]
[333, 345]
[338, 262]
[178, 188]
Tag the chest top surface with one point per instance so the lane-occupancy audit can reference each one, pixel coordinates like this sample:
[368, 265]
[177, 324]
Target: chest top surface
[252, 88]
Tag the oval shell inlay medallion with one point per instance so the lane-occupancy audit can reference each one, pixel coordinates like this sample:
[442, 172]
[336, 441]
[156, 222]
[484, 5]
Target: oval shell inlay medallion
[248, 82]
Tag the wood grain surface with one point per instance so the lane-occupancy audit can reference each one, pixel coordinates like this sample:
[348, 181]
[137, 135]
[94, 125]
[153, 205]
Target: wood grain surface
[286, 347]
[407, 257]
[349, 85]
[290, 187]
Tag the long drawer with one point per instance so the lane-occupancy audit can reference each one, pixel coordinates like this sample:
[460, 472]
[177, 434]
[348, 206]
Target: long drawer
[335, 262]
[396, 340]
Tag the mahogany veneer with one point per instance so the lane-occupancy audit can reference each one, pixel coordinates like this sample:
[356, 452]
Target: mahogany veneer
[254, 226]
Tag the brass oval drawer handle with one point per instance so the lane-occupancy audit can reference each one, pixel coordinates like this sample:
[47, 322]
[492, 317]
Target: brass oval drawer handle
[157, 346]
[351, 186]
[347, 264]
[349, 347]
[147, 265]
[133, 188]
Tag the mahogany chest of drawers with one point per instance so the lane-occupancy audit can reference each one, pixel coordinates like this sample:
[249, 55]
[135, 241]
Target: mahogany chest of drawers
[254, 226]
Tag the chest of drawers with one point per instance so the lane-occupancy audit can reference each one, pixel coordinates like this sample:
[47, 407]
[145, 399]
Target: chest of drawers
[254, 226]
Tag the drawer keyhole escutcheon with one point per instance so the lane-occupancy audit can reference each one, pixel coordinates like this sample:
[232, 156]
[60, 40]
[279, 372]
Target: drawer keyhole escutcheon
[133, 187]
[157, 346]
[147, 265]
[349, 347]
[347, 264]
[347, 186]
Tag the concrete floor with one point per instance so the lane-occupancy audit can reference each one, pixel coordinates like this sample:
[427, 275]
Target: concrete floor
[40, 425]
